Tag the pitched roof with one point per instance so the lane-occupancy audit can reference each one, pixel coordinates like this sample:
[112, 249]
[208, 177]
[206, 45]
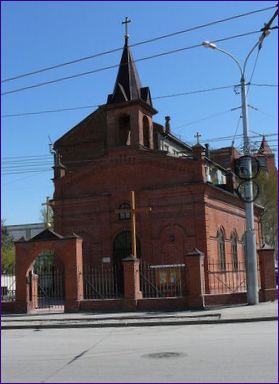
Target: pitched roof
[127, 85]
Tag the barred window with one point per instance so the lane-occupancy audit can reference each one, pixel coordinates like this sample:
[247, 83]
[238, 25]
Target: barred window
[221, 248]
[124, 215]
[234, 250]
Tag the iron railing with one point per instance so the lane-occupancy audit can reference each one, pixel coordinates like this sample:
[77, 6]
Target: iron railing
[49, 286]
[8, 284]
[231, 279]
[102, 282]
[162, 280]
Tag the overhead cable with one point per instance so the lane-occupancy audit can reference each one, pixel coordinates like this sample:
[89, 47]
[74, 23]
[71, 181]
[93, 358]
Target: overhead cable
[118, 65]
[137, 44]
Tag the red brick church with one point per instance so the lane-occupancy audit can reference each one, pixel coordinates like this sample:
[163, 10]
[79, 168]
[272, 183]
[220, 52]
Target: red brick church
[190, 223]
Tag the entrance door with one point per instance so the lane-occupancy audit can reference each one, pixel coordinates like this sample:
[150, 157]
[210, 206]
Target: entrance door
[49, 288]
[122, 247]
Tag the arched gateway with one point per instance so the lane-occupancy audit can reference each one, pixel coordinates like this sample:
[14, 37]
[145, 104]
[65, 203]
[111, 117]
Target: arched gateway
[47, 282]
[41, 280]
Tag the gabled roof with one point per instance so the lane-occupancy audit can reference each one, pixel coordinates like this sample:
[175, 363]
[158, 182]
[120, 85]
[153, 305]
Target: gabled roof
[47, 234]
[127, 85]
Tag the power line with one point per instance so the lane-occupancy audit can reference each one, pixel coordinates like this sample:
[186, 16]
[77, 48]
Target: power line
[19, 172]
[264, 85]
[20, 114]
[118, 65]
[33, 160]
[137, 44]
[92, 106]
[224, 138]
[48, 111]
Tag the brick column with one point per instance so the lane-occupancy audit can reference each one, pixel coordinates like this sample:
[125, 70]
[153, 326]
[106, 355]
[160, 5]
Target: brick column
[72, 256]
[132, 291]
[22, 273]
[268, 289]
[195, 284]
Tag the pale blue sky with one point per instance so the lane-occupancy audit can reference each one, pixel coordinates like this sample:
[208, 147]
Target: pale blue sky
[41, 34]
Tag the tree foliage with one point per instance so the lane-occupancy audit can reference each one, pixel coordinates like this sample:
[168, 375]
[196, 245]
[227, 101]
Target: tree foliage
[7, 248]
[47, 216]
[268, 199]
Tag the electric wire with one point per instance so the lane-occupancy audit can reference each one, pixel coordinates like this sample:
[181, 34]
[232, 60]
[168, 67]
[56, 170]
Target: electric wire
[118, 65]
[21, 114]
[137, 44]
[92, 106]
[23, 164]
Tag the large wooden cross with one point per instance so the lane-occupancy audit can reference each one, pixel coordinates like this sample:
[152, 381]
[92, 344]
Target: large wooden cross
[133, 211]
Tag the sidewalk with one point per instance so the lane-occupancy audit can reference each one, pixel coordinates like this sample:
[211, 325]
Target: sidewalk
[243, 313]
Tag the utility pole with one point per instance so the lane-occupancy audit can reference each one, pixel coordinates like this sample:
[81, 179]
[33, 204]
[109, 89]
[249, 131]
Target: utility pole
[251, 251]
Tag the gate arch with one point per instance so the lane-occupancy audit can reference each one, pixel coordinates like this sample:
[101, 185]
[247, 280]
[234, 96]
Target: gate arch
[48, 279]
[69, 252]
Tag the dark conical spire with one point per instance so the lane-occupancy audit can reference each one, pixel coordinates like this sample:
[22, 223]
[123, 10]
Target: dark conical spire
[127, 85]
[264, 147]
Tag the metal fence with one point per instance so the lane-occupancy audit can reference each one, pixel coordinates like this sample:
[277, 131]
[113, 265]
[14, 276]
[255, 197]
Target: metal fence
[48, 286]
[231, 279]
[162, 280]
[102, 282]
[8, 284]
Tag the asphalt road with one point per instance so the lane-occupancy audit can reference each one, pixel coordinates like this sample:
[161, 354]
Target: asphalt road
[243, 352]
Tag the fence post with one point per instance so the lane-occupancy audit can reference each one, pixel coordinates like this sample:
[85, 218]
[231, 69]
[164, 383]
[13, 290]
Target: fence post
[268, 289]
[194, 275]
[132, 291]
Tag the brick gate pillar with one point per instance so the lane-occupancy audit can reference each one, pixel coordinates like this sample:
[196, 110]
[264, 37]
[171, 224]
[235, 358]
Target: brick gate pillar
[194, 276]
[268, 289]
[132, 291]
[71, 254]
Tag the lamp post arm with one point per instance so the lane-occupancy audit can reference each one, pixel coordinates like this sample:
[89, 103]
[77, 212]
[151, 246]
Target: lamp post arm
[234, 59]
[249, 54]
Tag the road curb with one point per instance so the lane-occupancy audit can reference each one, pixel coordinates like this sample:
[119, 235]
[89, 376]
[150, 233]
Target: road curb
[140, 324]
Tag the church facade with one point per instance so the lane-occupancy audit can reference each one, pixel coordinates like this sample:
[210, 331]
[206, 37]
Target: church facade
[119, 148]
[186, 214]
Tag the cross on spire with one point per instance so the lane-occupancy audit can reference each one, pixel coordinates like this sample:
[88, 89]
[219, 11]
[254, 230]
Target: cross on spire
[126, 22]
[133, 210]
[198, 135]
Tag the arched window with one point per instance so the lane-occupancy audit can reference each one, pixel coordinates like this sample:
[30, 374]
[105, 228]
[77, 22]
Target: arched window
[124, 215]
[221, 248]
[124, 130]
[145, 123]
[234, 250]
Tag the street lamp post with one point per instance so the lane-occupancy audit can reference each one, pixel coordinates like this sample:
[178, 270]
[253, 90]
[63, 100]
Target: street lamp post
[251, 253]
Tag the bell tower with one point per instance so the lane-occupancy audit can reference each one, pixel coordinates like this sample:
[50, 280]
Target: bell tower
[129, 108]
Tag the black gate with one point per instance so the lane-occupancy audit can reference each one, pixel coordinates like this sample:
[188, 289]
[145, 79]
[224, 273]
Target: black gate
[122, 247]
[48, 283]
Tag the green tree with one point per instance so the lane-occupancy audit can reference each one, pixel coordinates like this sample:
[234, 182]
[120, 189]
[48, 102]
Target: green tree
[47, 216]
[268, 199]
[7, 248]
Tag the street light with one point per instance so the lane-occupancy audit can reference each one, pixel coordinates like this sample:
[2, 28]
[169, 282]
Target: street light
[251, 256]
